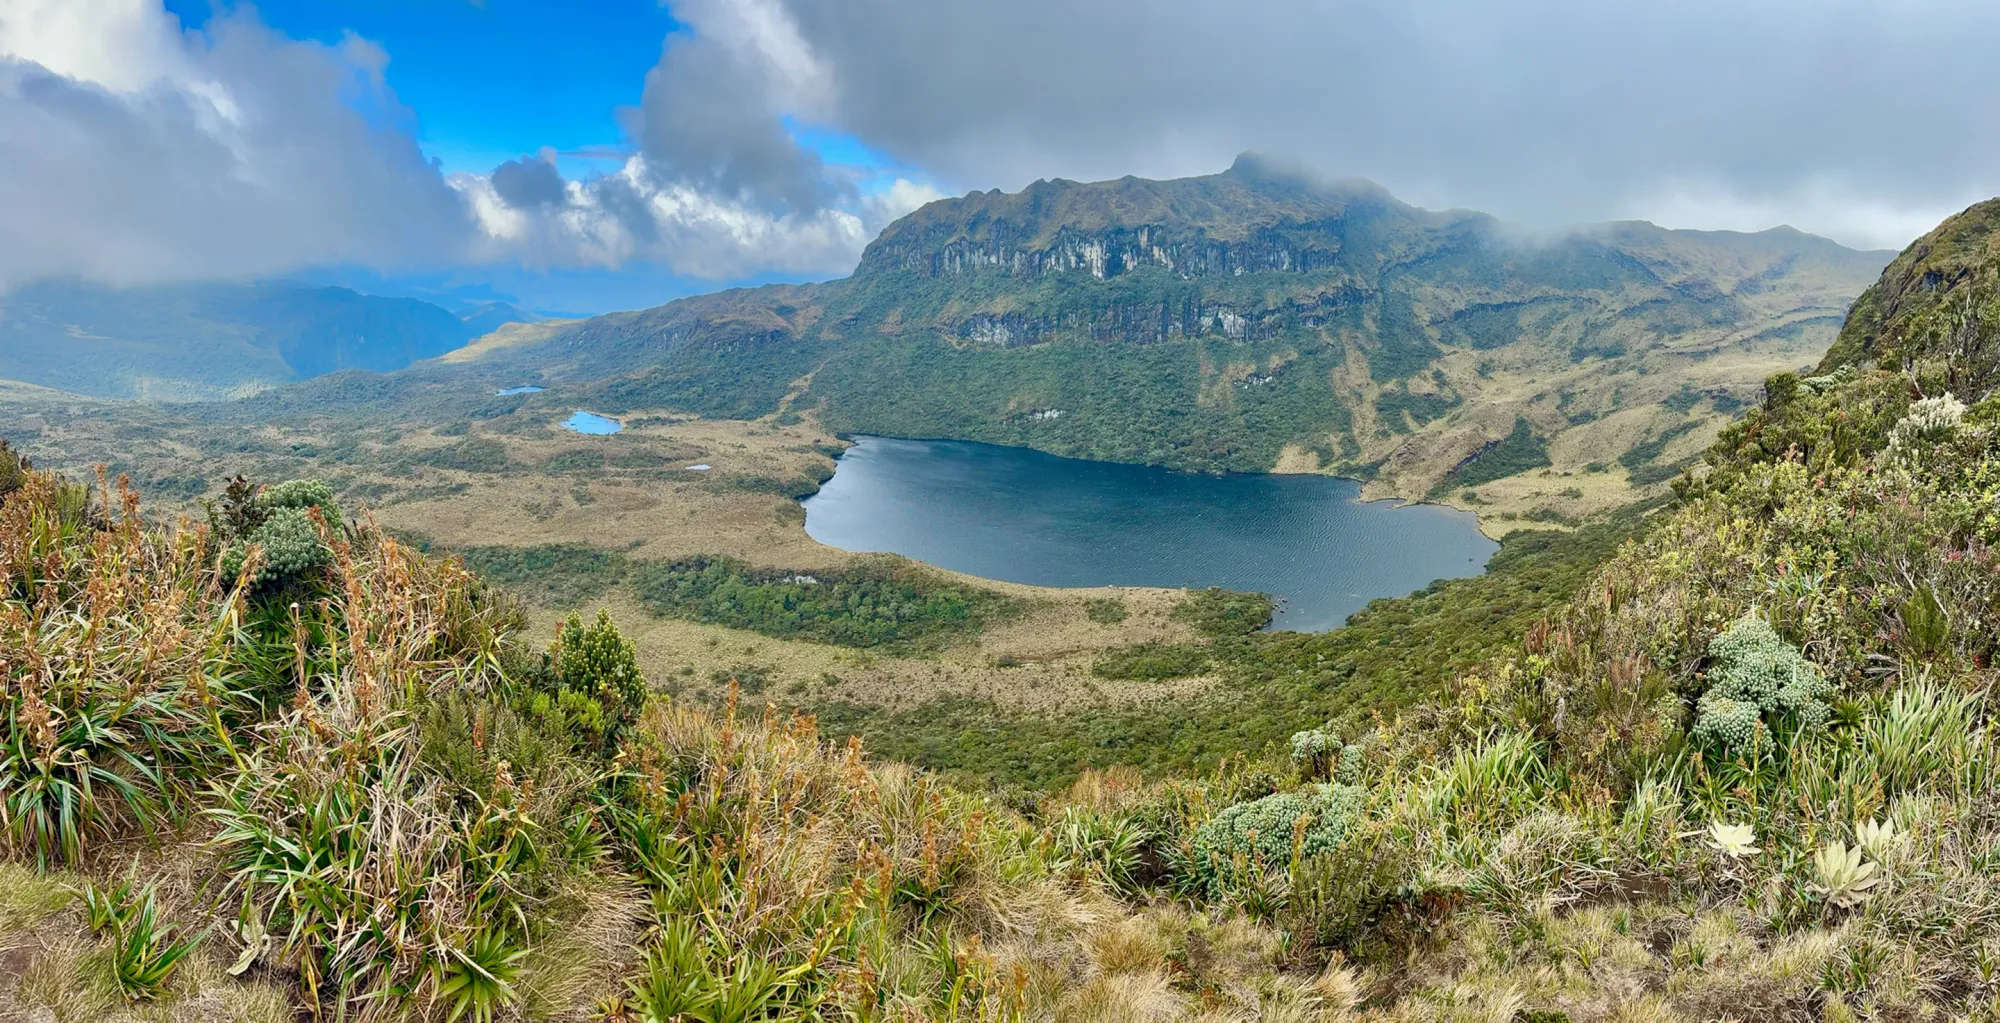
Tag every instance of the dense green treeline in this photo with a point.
(1123, 403)
(890, 605)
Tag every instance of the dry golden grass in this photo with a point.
(508, 335)
(658, 509)
(1048, 651)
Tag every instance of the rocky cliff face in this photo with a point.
(1113, 252)
(1250, 219)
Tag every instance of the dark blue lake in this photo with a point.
(1028, 517)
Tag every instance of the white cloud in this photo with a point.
(122, 45)
(133, 151)
(1547, 112)
(633, 216)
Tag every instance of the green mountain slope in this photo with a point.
(207, 341)
(1935, 306)
(1255, 320)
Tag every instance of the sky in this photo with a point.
(617, 153)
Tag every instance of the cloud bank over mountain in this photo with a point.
(132, 149)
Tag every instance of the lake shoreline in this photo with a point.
(1021, 515)
(1494, 527)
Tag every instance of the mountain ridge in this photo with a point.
(1252, 319)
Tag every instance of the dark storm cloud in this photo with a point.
(1847, 116)
(528, 182)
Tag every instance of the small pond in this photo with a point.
(592, 423)
(523, 389)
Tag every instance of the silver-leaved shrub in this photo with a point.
(1757, 678)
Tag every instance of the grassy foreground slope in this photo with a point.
(267, 766)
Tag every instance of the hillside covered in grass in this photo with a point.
(276, 764)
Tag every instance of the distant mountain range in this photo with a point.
(189, 342)
(1255, 319)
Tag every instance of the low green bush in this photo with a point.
(1272, 833)
(561, 575)
(1152, 662)
(279, 521)
(1105, 610)
(1758, 679)
(870, 605)
(1218, 612)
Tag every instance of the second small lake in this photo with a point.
(1024, 516)
(591, 422)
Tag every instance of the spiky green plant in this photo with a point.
(147, 952)
(476, 978)
(1085, 844)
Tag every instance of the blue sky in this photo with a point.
(496, 80)
(492, 81)
(500, 79)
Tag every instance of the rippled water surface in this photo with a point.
(1024, 516)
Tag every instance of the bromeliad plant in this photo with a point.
(146, 951)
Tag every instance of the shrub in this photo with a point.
(1272, 833)
(1311, 750)
(560, 576)
(1218, 612)
(1349, 771)
(1151, 662)
(876, 604)
(597, 659)
(1105, 610)
(14, 468)
(278, 520)
(1929, 422)
(476, 454)
(589, 685)
(1758, 678)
